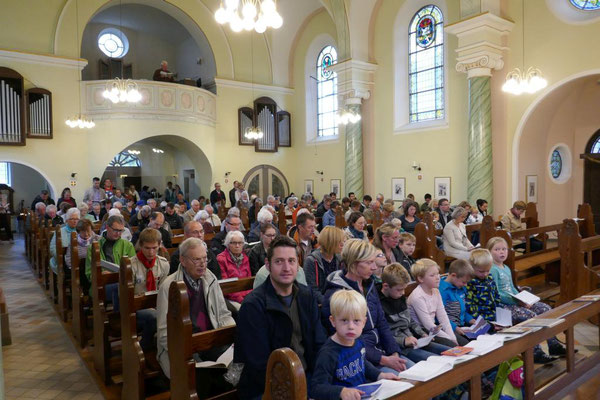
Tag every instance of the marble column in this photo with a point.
(480, 166)
(354, 155)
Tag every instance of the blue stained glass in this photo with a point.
(327, 101)
(426, 62)
(587, 5)
(556, 164)
(125, 159)
(596, 146)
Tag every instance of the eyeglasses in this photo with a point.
(198, 261)
(237, 243)
(270, 236)
(117, 230)
(380, 255)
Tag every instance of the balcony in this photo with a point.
(160, 101)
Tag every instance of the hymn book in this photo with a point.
(426, 370)
(383, 389)
(526, 297)
(222, 362)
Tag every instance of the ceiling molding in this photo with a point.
(228, 83)
(43, 59)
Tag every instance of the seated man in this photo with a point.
(194, 229)
(232, 223)
(51, 214)
(157, 219)
(511, 221)
(163, 73)
(207, 310)
(278, 313)
(174, 220)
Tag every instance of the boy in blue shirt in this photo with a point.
(454, 293)
(341, 364)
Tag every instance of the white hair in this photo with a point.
(201, 215)
(194, 202)
(290, 200)
(270, 198)
(114, 211)
(51, 207)
(206, 207)
(151, 200)
(233, 211)
(39, 205)
(302, 211)
(268, 208)
(117, 204)
(231, 235)
(83, 208)
(264, 216)
(71, 212)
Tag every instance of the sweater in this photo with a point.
(483, 298)
(503, 279)
(426, 308)
(455, 304)
(397, 315)
(340, 366)
(316, 273)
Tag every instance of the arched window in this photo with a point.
(556, 164)
(586, 4)
(426, 65)
(113, 43)
(327, 101)
(595, 147)
(125, 159)
(5, 174)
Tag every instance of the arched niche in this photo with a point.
(194, 16)
(564, 117)
(28, 180)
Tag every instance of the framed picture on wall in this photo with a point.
(531, 188)
(308, 186)
(335, 186)
(398, 189)
(442, 188)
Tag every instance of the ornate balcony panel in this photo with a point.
(160, 100)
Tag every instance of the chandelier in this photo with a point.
(346, 116)
(79, 121)
(249, 15)
(253, 133)
(122, 91)
(518, 82)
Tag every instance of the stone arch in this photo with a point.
(194, 16)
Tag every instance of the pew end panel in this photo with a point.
(285, 377)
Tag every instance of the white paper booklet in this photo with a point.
(422, 342)
(109, 266)
(503, 317)
(425, 370)
(484, 344)
(479, 323)
(526, 297)
(222, 362)
(388, 389)
(451, 359)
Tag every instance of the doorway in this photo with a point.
(264, 180)
(591, 177)
(190, 188)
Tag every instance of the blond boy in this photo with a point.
(454, 293)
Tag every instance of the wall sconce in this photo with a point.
(415, 166)
(319, 172)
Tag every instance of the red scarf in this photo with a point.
(150, 281)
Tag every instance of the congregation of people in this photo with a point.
(334, 296)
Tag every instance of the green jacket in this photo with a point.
(121, 248)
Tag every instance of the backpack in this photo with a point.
(509, 381)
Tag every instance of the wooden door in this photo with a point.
(591, 191)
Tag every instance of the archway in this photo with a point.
(559, 123)
(26, 182)
(264, 180)
(156, 160)
(591, 176)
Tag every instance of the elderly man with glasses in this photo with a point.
(231, 223)
(194, 229)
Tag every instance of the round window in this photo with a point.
(559, 163)
(556, 164)
(113, 43)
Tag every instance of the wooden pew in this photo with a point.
(579, 262)
(177, 231)
(537, 385)
(285, 373)
(426, 246)
(244, 218)
(5, 332)
(340, 221)
(106, 322)
(222, 210)
(137, 365)
(177, 240)
(44, 257)
(79, 321)
(28, 234)
(281, 220)
(62, 283)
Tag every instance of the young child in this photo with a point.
(453, 292)
(395, 278)
(482, 293)
(425, 303)
(341, 364)
(520, 312)
(407, 245)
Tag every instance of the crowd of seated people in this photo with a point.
(298, 276)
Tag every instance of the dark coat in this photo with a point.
(174, 221)
(217, 243)
(257, 256)
(38, 199)
(376, 335)
(314, 271)
(232, 197)
(264, 325)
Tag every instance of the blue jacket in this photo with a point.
(453, 297)
(329, 218)
(264, 325)
(376, 335)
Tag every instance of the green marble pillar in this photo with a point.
(354, 156)
(480, 172)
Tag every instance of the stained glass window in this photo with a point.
(5, 173)
(327, 101)
(426, 65)
(586, 4)
(556, 164)
(596, 146)
(125, 159)
(113, 43)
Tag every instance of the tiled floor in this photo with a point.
(42, 362)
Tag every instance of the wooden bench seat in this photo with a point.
(78, 298)
(5, 333)
(537, 259)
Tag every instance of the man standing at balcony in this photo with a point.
(163, 73)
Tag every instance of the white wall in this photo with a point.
(27, 184)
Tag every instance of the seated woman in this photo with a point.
(85, 237)
(203, 218)
(258, 253)
(356, 228)
(456, 243)
(72, 218)
(234, 264)
(264, 217)
(65, 197)
(323, 261)
(482, 206)
(409, 219)
(387, 238)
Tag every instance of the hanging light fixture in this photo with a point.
(248, 15)
(122, 91)
(519, 81)
(79, 120)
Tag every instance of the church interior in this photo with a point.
(469, 102)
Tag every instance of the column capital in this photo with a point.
(480, 43)
(355, 80)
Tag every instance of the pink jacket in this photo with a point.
(230, 270)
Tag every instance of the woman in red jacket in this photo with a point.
(234, 263)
